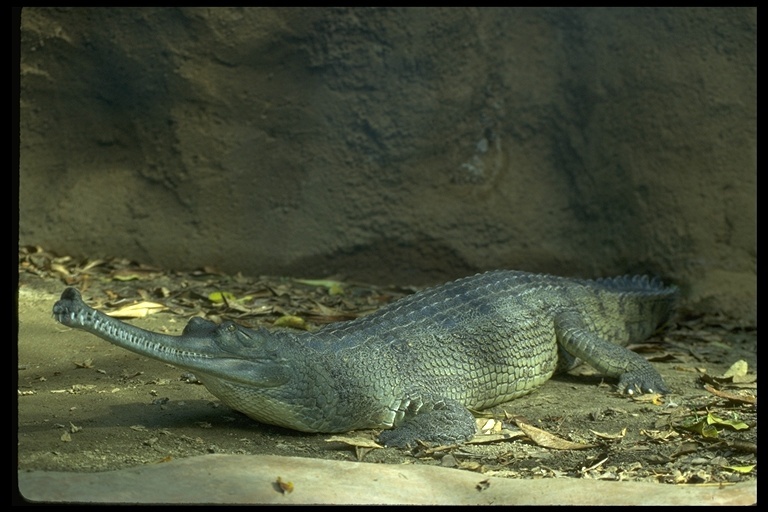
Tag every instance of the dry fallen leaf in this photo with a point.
(139, 310)
(488, 425)
(652, 398)
(483, 485)
(284, 487)
(737, 374)
(737, 369)
(87, 363)
(503, 435)
(605, 435)
(748, 399)
(60, 269)
(356, 441)
(362, 445)
(472, 465)
(547, 440)
(659, 435)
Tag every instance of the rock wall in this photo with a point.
(397, 145)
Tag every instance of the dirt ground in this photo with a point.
(85, 405)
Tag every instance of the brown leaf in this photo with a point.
(284, 487)
(653, 398)
(605, 435)
(749, 399)
(93, 263)
(547, 440)
(60, 269)
(503, 435)
(357, 441)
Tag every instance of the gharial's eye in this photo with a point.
(231, 327)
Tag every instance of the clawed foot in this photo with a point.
(639, 382)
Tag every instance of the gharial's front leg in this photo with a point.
(438, 421)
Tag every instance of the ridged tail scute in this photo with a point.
(644, 303)
(639, 284)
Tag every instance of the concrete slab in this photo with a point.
(250, 479)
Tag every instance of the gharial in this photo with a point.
(415, 366)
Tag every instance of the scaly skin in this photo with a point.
(415, 366)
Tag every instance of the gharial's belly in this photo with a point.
(499, 385)
(258, 405)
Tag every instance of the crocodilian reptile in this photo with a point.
(415, 366)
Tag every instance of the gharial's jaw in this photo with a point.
(196, 349)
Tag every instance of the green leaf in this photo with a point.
(706, 425)
(219, 297)
(734, 424)
(295, 322)
(701, 426)
(334, 287)
(741, 469)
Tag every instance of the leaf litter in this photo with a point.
(706, 435)
(307, 303)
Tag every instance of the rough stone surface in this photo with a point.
(253, 479)
(397, 145)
